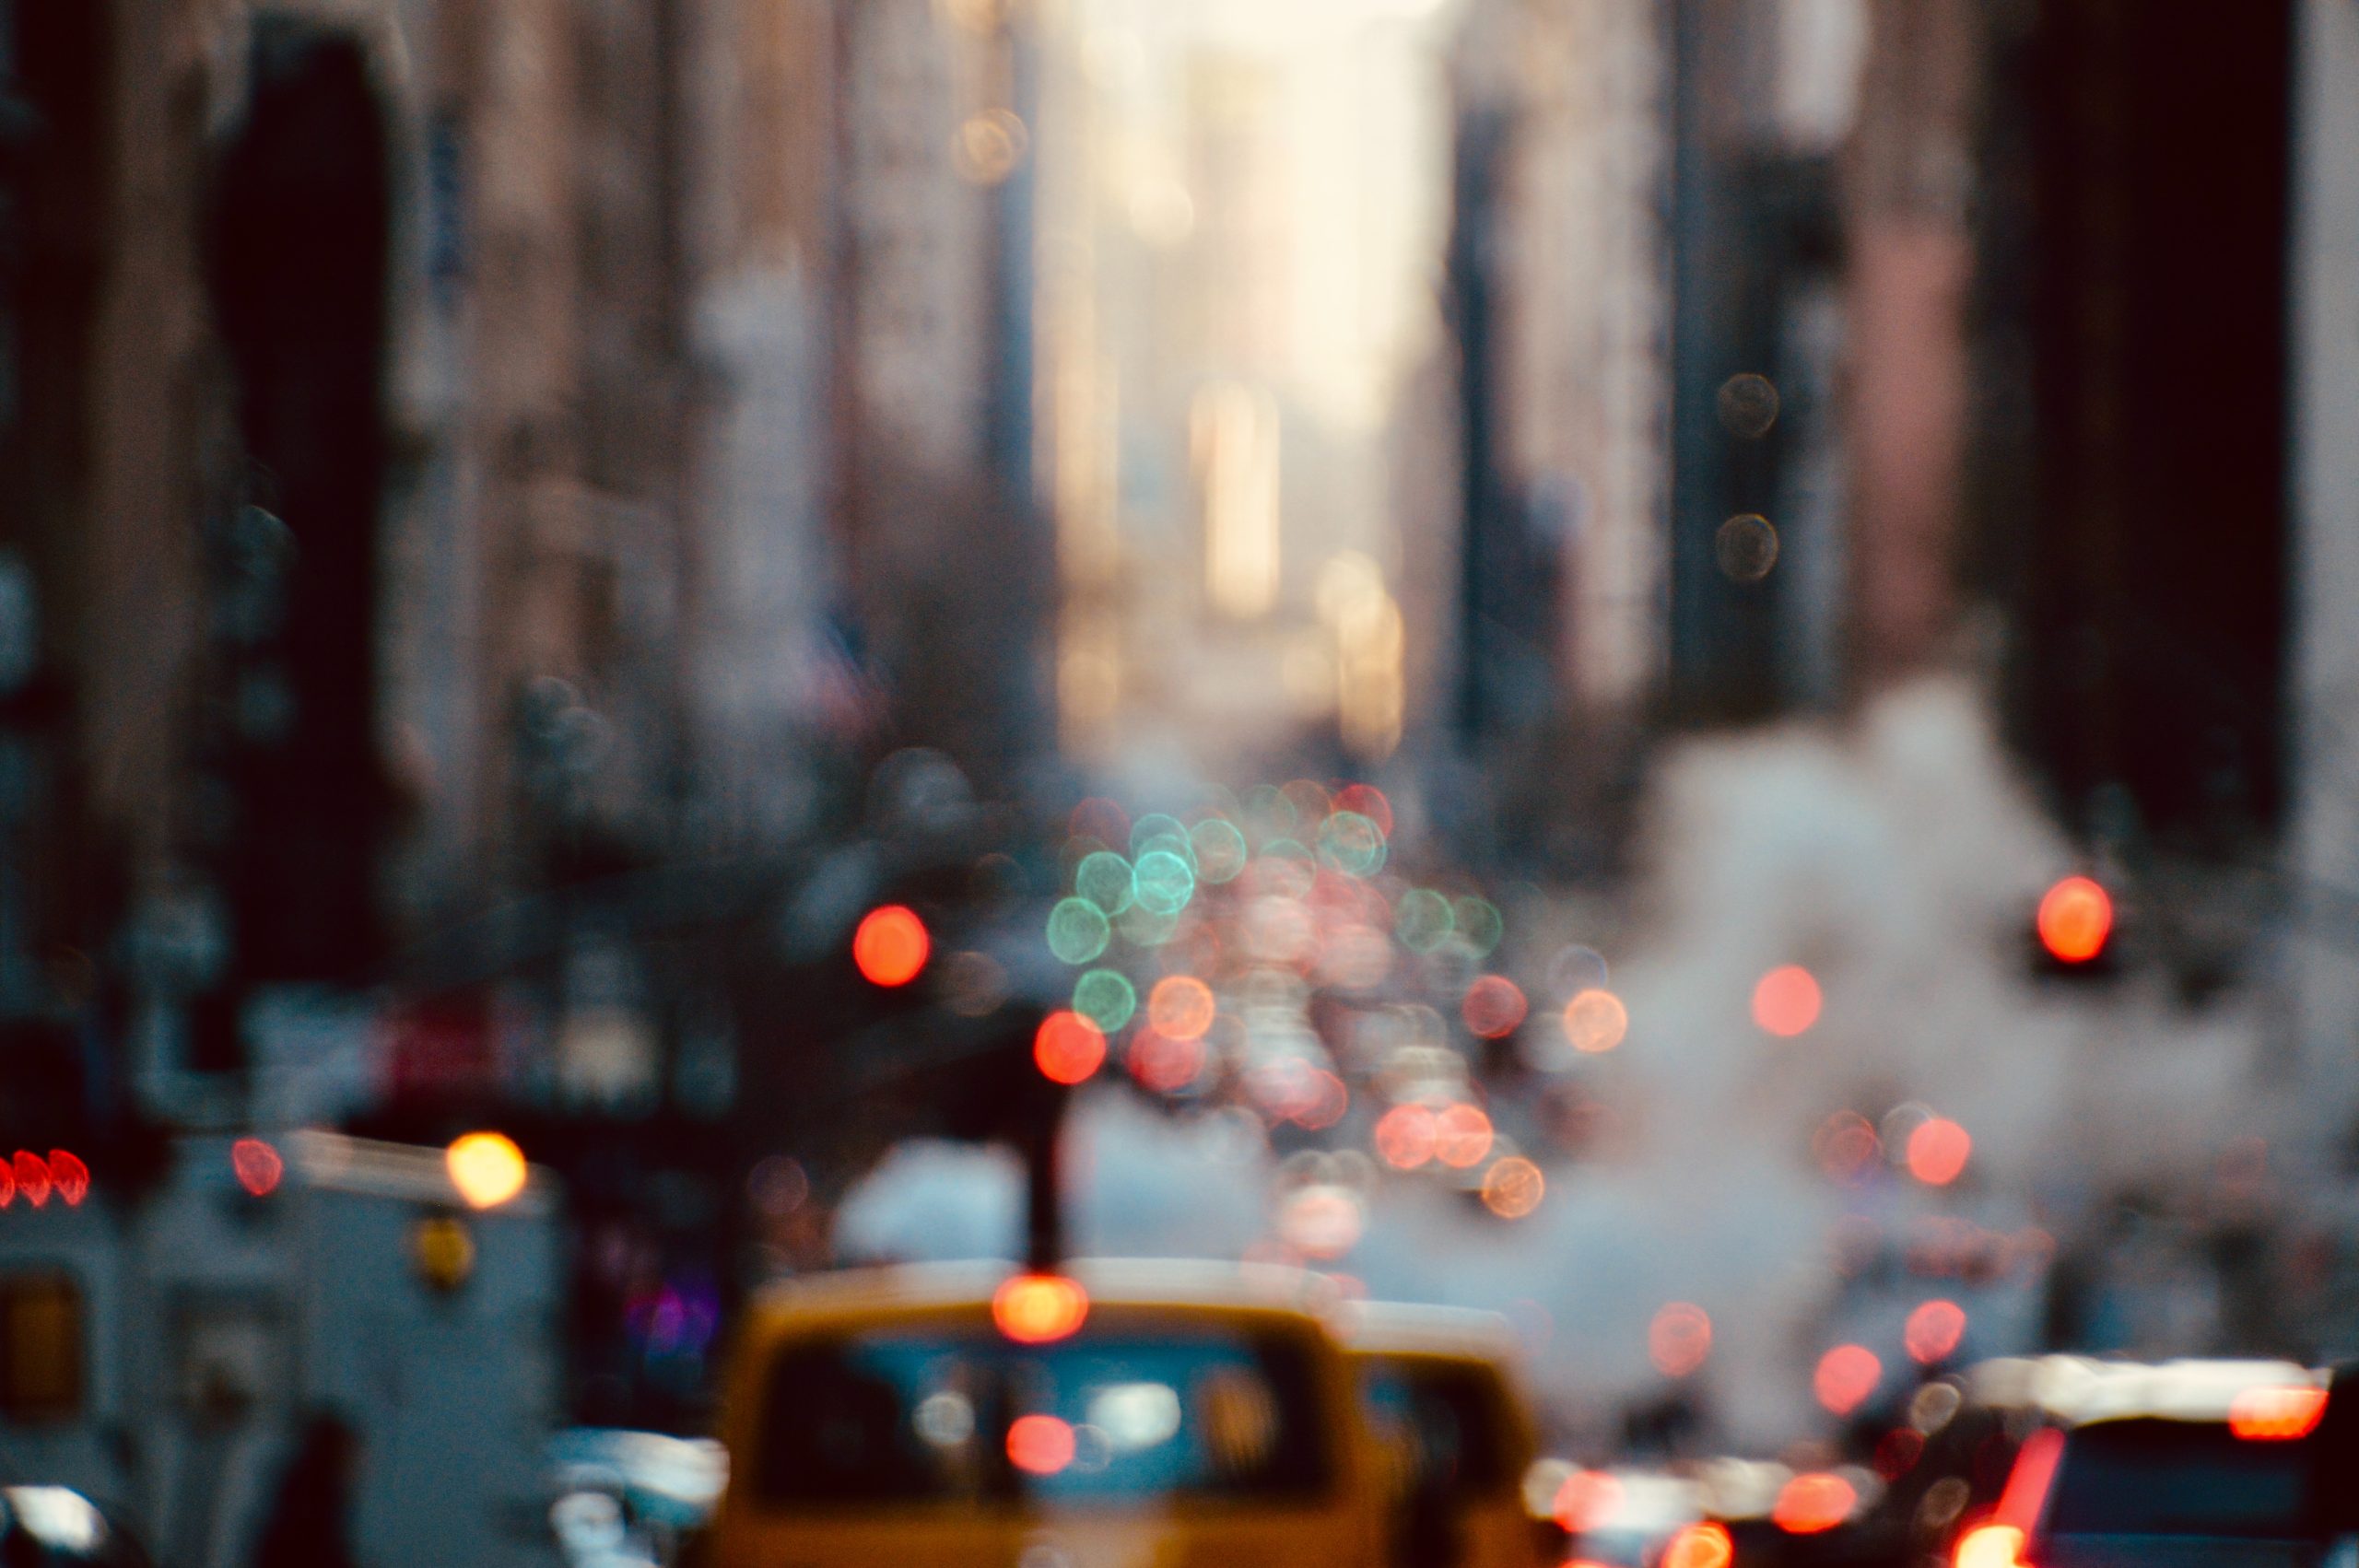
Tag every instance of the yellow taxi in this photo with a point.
(1449, 1415)
(1148, 1414)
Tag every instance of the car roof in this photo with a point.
(924, 1288)
(1395, 1327)
(2081, 1390)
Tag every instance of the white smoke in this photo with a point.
(1899, 860)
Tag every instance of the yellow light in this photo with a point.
(1991, 1546)
(1037, 1309)
(487, 1167)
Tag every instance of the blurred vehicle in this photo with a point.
(628, 1497)
(2071, 1462)
(1170, 1412)
(54, 1525)
(1455, 1426)
(1612, 1518)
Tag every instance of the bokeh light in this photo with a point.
(1220, 849)
(1493, 1007)
(1786, 1000)
(487, 1167)
(1105, 879)
(1405, 1136)
(1068, 1048)
(1478, 921)
(1585, 1501)
(256, 1166)
(1748, 405)
(31, 1174)
(1078, 931)
(1037, 1309)
(69, 1175)
(1421, 920)
(1596, 1021)
(1101, 819)
(2075, 917)
(1180, 1006)
(1164, 1063)
(1039, 1444)
(1461, 1135)
(1938, 1151)
(1933, 1331)
(1680, 1339)
(1106, 998)
(890, 945)
(2276, 1414)
(1367, 801)
(1164, 881)
(1814, 1502)
(1745, 548)
(1513, 1187)
(1352, 843)
(1704, 1544)
(1846, 1375)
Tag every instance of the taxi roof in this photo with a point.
(1398, 1327)
(1159, 1282)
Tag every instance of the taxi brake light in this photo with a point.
(2276, 1415)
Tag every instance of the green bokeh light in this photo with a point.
(1479, 922)
(1077, 931)
(1220, 850)
(1351, 843)
(1106, 998)
(1421, 920)
(1143, 927)
(1166, 882)
(1105, 880)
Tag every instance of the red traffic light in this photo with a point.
(2075, 919)
(891, 945)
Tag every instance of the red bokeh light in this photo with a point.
(257, 1165)
(1461, 1135)
(1845, 1376)
(1180, 1006)
(1933, 1331)
(891, 945)
(1938, 1151)
(69, 1175)
(1897, 1452)
(1369, 801)
(1068, 1048)
(1814, 1502)
(1786, 1000)
(32, 1176)
(2075, 919)
(1037, 1309)
(1164, 1064)
(1679, 1338)
(1704, 1544)
(1494, 1006)
(1586, 1500)
(1405, 1136)
(1040, 1445)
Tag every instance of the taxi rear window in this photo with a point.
(2179, 1478)
(1451, 1419)
(903, 1416)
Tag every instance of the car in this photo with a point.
(1107, 1412)
(1448, 1411)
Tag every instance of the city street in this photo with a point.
(1100, 783)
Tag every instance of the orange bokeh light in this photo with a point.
(1938, 1152)
(1786, 1000)
(1493, 1007)
(1596, 1021)
(2075, 917)
(890, 946)
(1587, 1500)
(487, 1167)
(1040, 1445)
(1845, 1376)
(1989, 1546)
(1038, 1309)
(1513, 1187)
(1405, 1136)
(1679, 1338)
(1068, 1048)
(2276, 1414)
(1180, 1006)
(1461, 1135)
(1704, 1544)
(1933, 1331)
(1815, 1501)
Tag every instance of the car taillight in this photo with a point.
(1989, 1546)
(2276, 1415)
(1700, 1545)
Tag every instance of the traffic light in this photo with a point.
(2074, 926)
